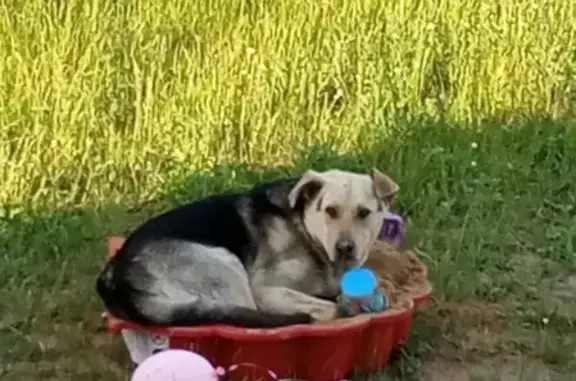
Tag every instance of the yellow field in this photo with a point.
(99, 97)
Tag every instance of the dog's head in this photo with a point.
(343, 211)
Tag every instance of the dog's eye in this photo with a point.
(363, 213)
(332, 212)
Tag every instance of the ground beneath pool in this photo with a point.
(482, 341)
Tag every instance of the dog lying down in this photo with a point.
(269, 257)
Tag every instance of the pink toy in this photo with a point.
(175, 365)
(182, 365)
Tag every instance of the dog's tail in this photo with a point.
(235, 315)
(114, 296)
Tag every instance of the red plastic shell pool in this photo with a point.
(318, 352)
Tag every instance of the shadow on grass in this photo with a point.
(474, 200)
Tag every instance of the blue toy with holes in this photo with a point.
(360, 292)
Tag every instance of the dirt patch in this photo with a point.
(475, 343)
(472, 312)
(511, 368)
(467, 329)
(563, 295)
(467, 313)
(565, 288)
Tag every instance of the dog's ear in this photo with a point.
(384, 187)
(306, 188)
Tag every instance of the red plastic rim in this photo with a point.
(357, 323)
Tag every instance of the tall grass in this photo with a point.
(101, 97)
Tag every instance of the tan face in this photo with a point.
(344, 210)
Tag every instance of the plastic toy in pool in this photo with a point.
(315, 352)
(393, 229)
(360, 293)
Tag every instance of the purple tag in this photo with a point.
(392, 229)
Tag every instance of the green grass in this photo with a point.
(113, 111)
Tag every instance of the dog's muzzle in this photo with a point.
(345, 247)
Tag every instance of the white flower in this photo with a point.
(545, 321)
(53, 143)
(339, 94)
(473, 163)
(474, 145)
(250, 51)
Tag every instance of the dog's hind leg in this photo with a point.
(284, 300)
(191, 284)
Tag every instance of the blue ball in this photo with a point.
(358, 282)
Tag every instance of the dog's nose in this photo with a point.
(345, 246)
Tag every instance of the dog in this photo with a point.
(268, 257)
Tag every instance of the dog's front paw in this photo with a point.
(325, 313)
